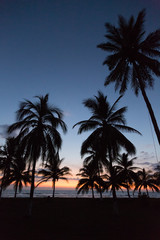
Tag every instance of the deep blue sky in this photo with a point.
(49, 46)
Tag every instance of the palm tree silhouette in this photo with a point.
(114, 180)
(126, 170)
(132, 58)
(95, 157)
(37, 124)
(147, 181)
(107, 124)
(7, 156)
(53, 171)
(18, 176)
(90, 179)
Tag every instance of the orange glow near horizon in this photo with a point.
(60, 184)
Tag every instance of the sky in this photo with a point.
(50, 46)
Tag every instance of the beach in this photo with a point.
(71, 218)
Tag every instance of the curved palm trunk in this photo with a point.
(53, 185)
(155, 125)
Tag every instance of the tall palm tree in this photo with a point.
(133, 58)
(127, 170)
(107, 124)
(146, 181)
(7, 157)
(53, 171)
(37, 124)
(90, 179)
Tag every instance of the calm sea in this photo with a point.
(68, 193)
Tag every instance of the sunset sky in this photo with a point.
(49, 46)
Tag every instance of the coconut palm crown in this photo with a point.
(127, 170)
(7, 158)
(107, 124)
(146, 181)
(53, 171)
(90, 179)
(133, 58)
(114, 180)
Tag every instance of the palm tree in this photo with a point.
(90, 179)
(7, 156)
(132, 58)
(146, 181)
(107, 124)
(126, 170)
(53, 171)
(37, 124)
(18, 176)
(95, 157)
(114, 180)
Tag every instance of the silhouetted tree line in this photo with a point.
(132, 58)
(105, 168)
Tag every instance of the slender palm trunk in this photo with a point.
(2, 182)
(15, 193)
(1, 189)
(100, 190)
(92, 192)
(110, 157)
(29, 212)
(147, 192)
(32, 180)
(53, 185)
(155, 125)
(114, 193)
(128, 191)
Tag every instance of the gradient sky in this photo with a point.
(49, 46)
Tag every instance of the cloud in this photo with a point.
(146, 160)
(147, 165)
(146, 155)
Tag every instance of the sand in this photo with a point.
(63, 219)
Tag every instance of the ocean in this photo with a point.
(68, 193)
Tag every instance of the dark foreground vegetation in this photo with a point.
(80, 219)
